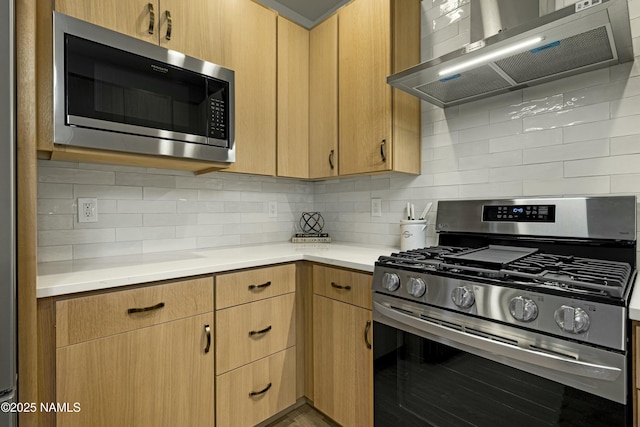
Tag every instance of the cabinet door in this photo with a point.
(244, 37)
(323, 99)
(187, 23)
(293, 100)
(136, 18)
(364, 97)
(157, 376)
(343, 362)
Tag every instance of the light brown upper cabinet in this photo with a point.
(379, 127)
(323, 99)
(181, 25)
(293, 100)
(244, 34)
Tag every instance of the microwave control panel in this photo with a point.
(218, 116)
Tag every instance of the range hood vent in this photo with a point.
(569, 41)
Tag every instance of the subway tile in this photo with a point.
(56, 164)
(145, 180)
(199, 183)
(471, 119)
(629, 144)
(620, 126)
(107, 191)
(524, 172)
(625, 183)
(110, 220)
(626, 107)
(579, 81)
(461, 177)
(192, 206)
(74, 237)
(529, 108)
(108, 167)
(198, 230)
(634, 9)
(240, 207)
(494, 130)
(164, 219)
(435, 193)
(607, 92)
(567, 186)
(462, 149)
(492, 103)
(55, 253)
(146, 206)
(567, 117)
(573, 151)
(450, 45)
(75, 176)
(55, 222)
(217, 218)
(96, 250)
(614, 165)
(55, 191)
(442, 165)
(56, 206)
(494, 189)
(507, 158)
(163, 245)
(542, 138)
(242, 185)
(152, 193)
(441, 140)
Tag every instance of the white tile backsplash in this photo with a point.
(575, 136)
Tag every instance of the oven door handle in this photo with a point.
(532, 357)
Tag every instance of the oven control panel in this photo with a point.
(519, 213)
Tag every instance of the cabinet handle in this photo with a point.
(152, 18)
(366, 334)
(335, 285)
(257, 393)
(207, 332)
(383, 152)
(259, 287)
(260, 332)
(331, 154)
(144, 309)
(168, 34)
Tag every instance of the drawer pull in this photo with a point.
(257, 393)
(207, 332)
(142, 310)
(260, 287)
(260, 332)
(335, 285)
(366, 334)
(169, 25)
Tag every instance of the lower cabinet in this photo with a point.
(342, 354)
(156, 376)
(141, 357)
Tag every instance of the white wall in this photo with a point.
(576, 136)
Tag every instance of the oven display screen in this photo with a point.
(519, 213)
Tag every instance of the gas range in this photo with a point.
(536, 277)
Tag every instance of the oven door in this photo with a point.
(432, 371)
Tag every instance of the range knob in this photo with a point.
(523, 309)
(463, 297)
(390, 282)
(416, 287)
(572, 319)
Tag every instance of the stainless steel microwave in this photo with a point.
(115, 92)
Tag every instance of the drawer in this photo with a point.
(251, 394)
(252, 331)
(86, 318)
(348, 286)
(253, 285)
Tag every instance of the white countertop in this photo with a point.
(634, 303)
(67, 277)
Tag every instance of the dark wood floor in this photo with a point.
(304, 416)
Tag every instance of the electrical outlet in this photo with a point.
(87, 209)
(273, 209)
(376, 207)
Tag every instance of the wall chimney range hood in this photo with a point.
(512, 50)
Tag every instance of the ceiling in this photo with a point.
(307, 13)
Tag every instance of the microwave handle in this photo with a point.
(152, 18)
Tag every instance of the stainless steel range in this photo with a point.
(519, 315)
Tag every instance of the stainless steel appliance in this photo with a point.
(521, 44)
(115, 92)
(517, 317)
(7, 219)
